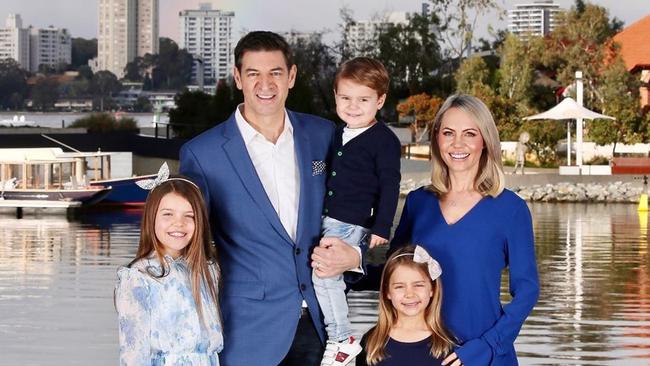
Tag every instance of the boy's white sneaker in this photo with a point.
(340, 353)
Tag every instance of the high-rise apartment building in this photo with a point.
(360, 35)
(127, 28)
(533, 19)
(207, 35)
(49, 46)
(32, 47)
(14, 41)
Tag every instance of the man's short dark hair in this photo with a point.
(262, 41)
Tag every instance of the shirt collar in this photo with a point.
(247, 131)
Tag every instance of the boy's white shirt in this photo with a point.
(350, 133)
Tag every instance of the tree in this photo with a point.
(173, 69)
(458, 19)
(472, 77)
(85, 72)
(45, 93)
(423, 108)
(142, 104)
(194, 113)
(580, 43)
(82, 51)
(225, 100)
(13, 80)
(410, 52)
(104, 85)
(618, 96)
(313, 89)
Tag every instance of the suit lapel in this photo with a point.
(303, 157)
(241, 162)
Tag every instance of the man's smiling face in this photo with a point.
(265, 80)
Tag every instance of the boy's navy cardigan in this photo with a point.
(363, 181)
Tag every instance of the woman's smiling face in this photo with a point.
(460, 141)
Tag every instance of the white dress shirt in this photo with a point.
(277, 168)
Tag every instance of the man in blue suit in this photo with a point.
(262, 173)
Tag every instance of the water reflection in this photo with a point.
(57, 275)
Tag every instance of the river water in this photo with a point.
(66, 118)
(57, 276)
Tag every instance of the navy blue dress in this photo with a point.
(495, 234)
(401, 353)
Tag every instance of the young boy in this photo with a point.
(362, 189)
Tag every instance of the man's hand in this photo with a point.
(377, 240)
(332, 257)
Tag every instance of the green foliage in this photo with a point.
(45, 93)
(544, 137)
(472, 78)
(316, 66)
(458, 20)
(82, 51)
(618, 96)
(13, 81)
(171, 68)
(196, 111)
(104, 122)
(103, 85)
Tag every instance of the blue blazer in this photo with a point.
(265, 275)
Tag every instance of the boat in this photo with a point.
(30, 180)
(96, 170)
(17, 122)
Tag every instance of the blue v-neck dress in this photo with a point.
(496, 233)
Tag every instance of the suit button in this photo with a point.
(339, 153)
(330, 193)
(303, 286)
(298, 251)
(326, 210)
(333, 174)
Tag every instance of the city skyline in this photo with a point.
(80, 16)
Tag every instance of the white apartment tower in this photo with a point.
(127, 28)
(361, 34)
(49, 46)
(14, 41)
(32, 47)
(533, 19)
(207, 35)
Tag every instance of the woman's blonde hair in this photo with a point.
(441, 339)
(490, 179)
(200, 254)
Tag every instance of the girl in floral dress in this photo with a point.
(166, 298)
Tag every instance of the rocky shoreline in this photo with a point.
(561, 192)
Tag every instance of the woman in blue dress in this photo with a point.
(166, 297)
(475, 228)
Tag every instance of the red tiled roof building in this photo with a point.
(635, 50)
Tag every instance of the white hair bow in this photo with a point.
(149, 184)
(421, 256)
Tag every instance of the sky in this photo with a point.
(80, 16)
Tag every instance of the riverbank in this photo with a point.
(544, 185)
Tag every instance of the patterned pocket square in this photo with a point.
(317, 167)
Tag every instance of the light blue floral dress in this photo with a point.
(158, 321)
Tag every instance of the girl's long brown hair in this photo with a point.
(200, 254)
(442, 340)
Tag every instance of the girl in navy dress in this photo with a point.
(476, 229)
(409, 330)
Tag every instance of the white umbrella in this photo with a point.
(568, 109)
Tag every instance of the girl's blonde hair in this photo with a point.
(490, 179)
(442, 340)
(200, 254)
